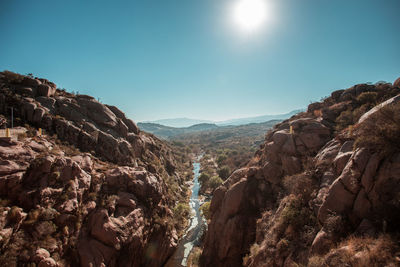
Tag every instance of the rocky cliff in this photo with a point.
(92, 191)
(321, 191)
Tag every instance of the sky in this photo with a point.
(158, 59)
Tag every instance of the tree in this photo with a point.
(214, 182)
(224, 172)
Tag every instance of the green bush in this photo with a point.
(205, 209)
(214, 182)
(296, 213)
(181, 214)
(204, 178)
(224, 172)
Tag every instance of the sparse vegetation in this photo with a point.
(381, 133)
(205, 209)
(360, 252)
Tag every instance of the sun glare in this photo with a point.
(250, 15)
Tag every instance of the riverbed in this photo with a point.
(196, 228)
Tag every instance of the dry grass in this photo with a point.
(360, 252)
(381, 132)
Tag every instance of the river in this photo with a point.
(196, 228)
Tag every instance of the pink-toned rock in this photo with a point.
(272, 152)
(322, 243)
(5, 235)
(338, 200)
(280, 137)
(233, 198)
(10, 167)
(45, 90)
(105, 230)
(44, 228)
(367, 178)
(136, 180)
(24, 90)
(38, 115)
(94, 253)
(48, 262)
(127, 200)
(272, 172)
(291, 165)
(40, 255)
(341, 160)
(31, 82)
(368, 115)
(328, 152)
(397, 83)
(289, 146)
(347, 147)
(84, 161)
(362, 206)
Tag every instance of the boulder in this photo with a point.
(338, 200)
(28, 110)
(24, 90)
(48, 262)
(291, 165)
(40, 254)
(233, 198)
(272, 172)
(38, 115)
(45, 90)
(390, 101)
(31, 82)
(322, 243)
(397, 83)
(47, 102)
(280, 137)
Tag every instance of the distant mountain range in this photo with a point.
(165, 132)
(210, 129)
(187, 122)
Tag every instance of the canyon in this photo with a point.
(92, 189)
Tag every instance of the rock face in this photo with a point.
(77, 119)
(63, 207)
(307, 187)
(238, 203)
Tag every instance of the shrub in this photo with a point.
(214, 182)
(181, 214)
(12, 77)
(368, 98)
(296, 213)
(224, 172)
(205, 209)
(381, 132)
(359, 252)
(344, 119)
(194, 257)
(221, 159)
(204, 178)
(299, 184)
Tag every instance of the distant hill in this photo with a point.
(166, 132)
(259, 119)
(179, 122)
(186, 122)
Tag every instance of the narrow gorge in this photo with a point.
(82, 185)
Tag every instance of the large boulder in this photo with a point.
(45, 90)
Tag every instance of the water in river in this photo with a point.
(196, 227)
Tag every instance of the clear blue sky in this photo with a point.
(185, 58)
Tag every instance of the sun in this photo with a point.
(250, 15)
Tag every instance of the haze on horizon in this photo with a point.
(210, 60)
